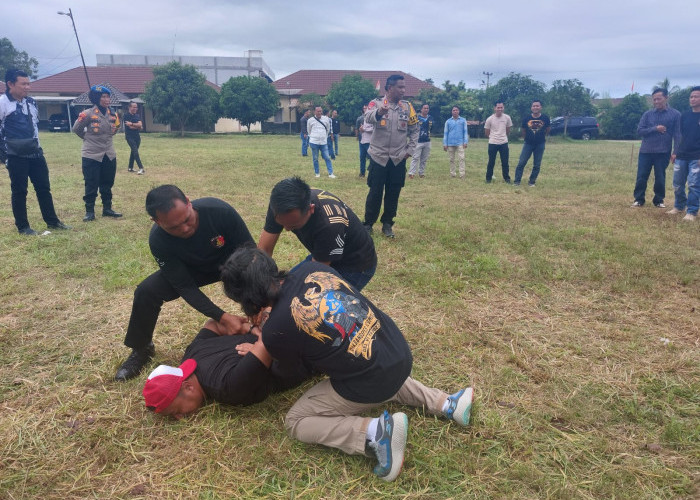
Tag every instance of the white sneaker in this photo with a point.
(674, 211)
(318, 175)
(690, 217)
(636, 204)
(140, 172)
(331, 176)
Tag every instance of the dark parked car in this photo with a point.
(579, 127)
(59, 123)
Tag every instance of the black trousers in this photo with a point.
(98, 175)
(149, 297)
(384, 181)
(502, 149)
(21, 170)
(134, 142)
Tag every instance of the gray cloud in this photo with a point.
(605, 44)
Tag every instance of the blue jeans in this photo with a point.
(335, 141)
(324, 154)
(363, 157)
(529, 149)
(358, 279)
(304, 144)
(687, 170)
(329, 143)
(659, 161)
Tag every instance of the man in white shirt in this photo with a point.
(497, 128)
(318, 128)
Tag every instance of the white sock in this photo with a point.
(446, 405)
(372, 429)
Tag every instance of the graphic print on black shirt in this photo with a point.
(320, 319)
(535, 128)
(332, 234)
(326, 304)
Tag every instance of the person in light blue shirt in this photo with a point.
(455, 139)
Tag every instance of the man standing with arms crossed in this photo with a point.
(687, 164)
(132, 133)
(393, 141)
(422, 151)
(658, 127)
(21, 153)
(497, 128)
(455, 139)
(535, 130)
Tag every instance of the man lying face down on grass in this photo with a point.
(229, 369)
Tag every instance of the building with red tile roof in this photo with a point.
(319, 81)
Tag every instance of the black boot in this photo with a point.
(135, 362)
(108, 212)
(387, 231)
(89, 212)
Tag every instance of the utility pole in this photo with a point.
(487, 75)
(70, 14)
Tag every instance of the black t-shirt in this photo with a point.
(228, 377)
(689, 148)
(424, 130)
(322, 320)
(336, 125)
(333, 233)
(535, 128)
(182, 261)
(128, 117)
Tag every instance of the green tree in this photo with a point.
(349, 95)
(621, 121)
(569, 98)
(13, 58)
(177, 95)
(249, 100)
(310, 101)
(441, 102)
(206, 119)
(666, 85)
(680, 100)
(517, 93)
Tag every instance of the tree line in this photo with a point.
(563, 98)
(180, 96)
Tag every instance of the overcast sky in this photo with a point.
(607, 44)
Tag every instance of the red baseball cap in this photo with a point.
(164, 384)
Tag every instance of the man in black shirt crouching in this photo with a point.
(325, 225)
(228, 369)
(190, 241)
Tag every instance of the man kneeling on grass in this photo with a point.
(318, 318)
(229, 369)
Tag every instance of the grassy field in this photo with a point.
(575, 317)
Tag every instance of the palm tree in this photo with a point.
(666, 85)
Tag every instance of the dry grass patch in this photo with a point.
(554, 302)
